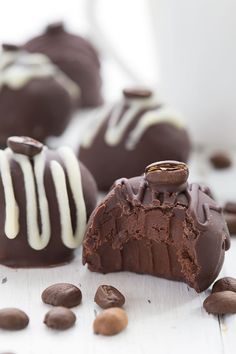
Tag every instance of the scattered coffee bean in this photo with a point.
(60, 318)
(224, 284)
(13, 319)
(107, 296)
(24, 145)
(110, 321)
(62, 294)
(220, 160)
(221, 303)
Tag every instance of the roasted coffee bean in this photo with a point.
(110, 321)
(60, 318)
(13, 319)
(224, 284)
(221, 303)
(220, 160)
(137, 93)
(107, 296)
(62, 294)
(24, 145)
(167, 173)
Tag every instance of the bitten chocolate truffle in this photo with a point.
(75, 56)
(36, 97)
(158, 224)
(136, 131)
(46, 197)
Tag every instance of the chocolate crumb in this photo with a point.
(149, 301)
(4, 280)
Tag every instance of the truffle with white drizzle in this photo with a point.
(75, 56)
(130, 135)
(36, 97)
(46, 197)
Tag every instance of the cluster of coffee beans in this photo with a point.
(222, 300)
(63, 296)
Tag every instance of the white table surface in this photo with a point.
(164, 316)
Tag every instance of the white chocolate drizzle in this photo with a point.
(120, 118)
(33, 174)
(18, 68)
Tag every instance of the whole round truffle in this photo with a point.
(75, 56)
(143, 226)
(136, 131)
(36, 98)
(46, 197)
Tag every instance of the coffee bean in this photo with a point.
(24, 145)
(220, 303)
(137, 93)
(60, 318)
(167, 173)
(220, 160)
(62, 294)
(224, 284)
(110, 321)
(10, 47)
(13, 319)
(107, 296)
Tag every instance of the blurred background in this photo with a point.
(185, 49)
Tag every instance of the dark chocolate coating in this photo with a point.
(75, 56)
(162, 141)
(17, 252)
(39, 109)
(179, 235)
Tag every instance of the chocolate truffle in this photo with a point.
(158, 224)
(46, 197)
(36, 98)
(138, 130)
(75, 56)
(230, 217)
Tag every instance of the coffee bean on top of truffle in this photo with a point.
(158, 224)
(62, 294)
(107, 296)
(132, 134)
(24, 145)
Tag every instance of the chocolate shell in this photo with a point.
(75, 56)
(158, 224)
(46, 197)
(123, 139)
(36, 98)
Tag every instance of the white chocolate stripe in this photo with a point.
(117, 125)
(74, 176)
(36, 240)
(11, 207)
(161, 115)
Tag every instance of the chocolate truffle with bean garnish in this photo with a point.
(36, 97)
(122, 140)
(158, 224)
(75, 56)
(46, 197)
